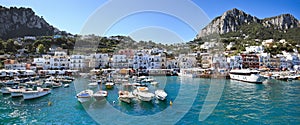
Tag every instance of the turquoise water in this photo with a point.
(276, 102)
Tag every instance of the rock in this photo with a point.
(20, 22)
(232, 19)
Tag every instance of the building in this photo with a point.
(98, 60)
(250, 61)
(77, 62)
(119, 62)
(185, 61)
(235, 62)
(60, 60)
(206, 60)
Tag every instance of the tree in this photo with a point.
(41, 48)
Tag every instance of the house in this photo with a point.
(119, 62)
(250, 61)
(235, 62)
(77, 62)
(98, 60)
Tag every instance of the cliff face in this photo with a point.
(232, 19)
(19, 22)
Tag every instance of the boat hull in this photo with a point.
(35, 94)
(251, 78)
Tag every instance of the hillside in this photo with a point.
(236, 23)
(20, 22)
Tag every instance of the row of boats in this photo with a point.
(35, 89)
(140, 90)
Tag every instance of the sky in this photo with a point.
(168, 22)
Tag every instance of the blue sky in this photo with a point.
(71, 15)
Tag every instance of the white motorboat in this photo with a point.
(154, 83)
(246, 75)
(99, 95)
(143, 94)
(17, 92)
(66, 85)
(5, 90)
(93, 84)
(160, 94)
(125, 96)
(36, 93)
(84, 95)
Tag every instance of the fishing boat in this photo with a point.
(143, 94)
(36, 93)
(109, 85)
(125, 96)
(160, 94)
(84, 95)
(246, 75)
(100, 95)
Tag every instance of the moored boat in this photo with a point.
(246, 75)
(125, 96)
(109, 85)
(143, 94)
(17, 91)
(160, 94)
(84, 95)
(100, 95)
(36, 93)
(5, 90)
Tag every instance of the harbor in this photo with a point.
(248, 103)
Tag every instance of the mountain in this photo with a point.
(19, 22)
(233, 20)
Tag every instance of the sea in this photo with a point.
(190, 101)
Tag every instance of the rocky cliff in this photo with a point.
(19, 22)
(231, 20)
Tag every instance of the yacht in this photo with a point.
(84, 95)
(246, 75)
(36, 93)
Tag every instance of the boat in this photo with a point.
(84, 95)
(246, 75)
(109, 85)
(143, 94)
(66, 85)
(154, 83)
(36, 92)
(160, 94)
(125, 96)
(5, 90)
(17, 91)
(100, 95)
(56, 84)
(93, 84)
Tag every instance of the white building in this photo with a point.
(185, 61)
(60, 60)
(140, 60)
(98, 60)
(254, 49)
(235, 62)
(77, 62)
(39, 62)
(46, 61)
(119, 61)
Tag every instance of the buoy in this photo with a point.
(49, 103)
(171, 103)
